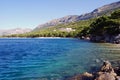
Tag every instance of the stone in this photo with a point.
(87, 74)
(106, 76)
(118, 78)
(117, 70)
(106, 67)
(106, 72)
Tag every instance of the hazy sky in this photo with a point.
(31, 13)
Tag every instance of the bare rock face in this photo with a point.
(63, 20)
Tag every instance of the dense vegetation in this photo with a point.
(97, 26)
(109, 25)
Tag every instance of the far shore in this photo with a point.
(85, 39)
(34, 37)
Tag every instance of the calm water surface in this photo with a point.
(51, 59)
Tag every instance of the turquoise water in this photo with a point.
(51, 59)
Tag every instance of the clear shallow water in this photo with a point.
(51, 59)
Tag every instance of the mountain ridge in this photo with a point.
(14, 31)
(73, 18)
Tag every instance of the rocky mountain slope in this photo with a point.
(106, 9)
(14, 31)
(66, 19)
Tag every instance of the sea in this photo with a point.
(52, 58)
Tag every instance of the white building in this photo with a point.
(67, 29)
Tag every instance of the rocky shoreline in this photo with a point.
(106, 72)
(106, 38)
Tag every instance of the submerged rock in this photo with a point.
(97, 60)
(85, 76)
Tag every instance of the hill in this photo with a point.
(14, 31)
(106, 9)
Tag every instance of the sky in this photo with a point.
(31, 13)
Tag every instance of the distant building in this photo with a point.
(67, 29)
(54, 30)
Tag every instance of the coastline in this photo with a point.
(38, 38)
(84, 39)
